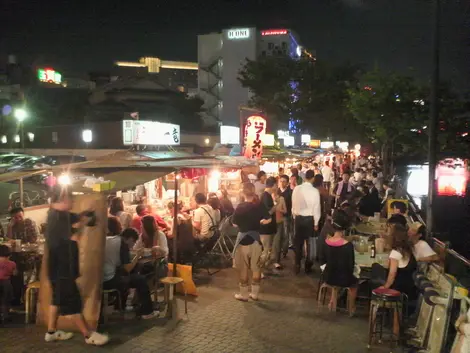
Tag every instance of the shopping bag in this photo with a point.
(186, 273)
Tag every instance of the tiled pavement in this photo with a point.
(285, 320)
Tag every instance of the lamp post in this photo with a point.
(20, 116)
(433, 118)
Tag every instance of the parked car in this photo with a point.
(6, 160)
(23, 163)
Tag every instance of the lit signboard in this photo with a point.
(139, 132)
(229, 135)
(327, 144)
(314, 143)
(274, 32)
(49, 76)
(282, 134)
(305, 138)
(343, 145)
(239, 33)
(289, 141)
(268, 140)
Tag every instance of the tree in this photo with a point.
(322, 92)
(389, 106)
(187, 112)
(270, 80)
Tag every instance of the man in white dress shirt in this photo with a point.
(306, 209)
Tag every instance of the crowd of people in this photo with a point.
(311, 210)
(308, 209)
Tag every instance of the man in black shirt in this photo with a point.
(267, 231)
(286, 193)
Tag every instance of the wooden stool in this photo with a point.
(385, 301)
(31, 292)
(105, 303)
(170, 299)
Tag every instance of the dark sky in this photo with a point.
(81, 36)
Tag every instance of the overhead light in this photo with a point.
(87, 136)
(17, 138)
(30, 136)
(4, 139)
(207, 141)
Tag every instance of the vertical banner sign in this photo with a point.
(255, 130)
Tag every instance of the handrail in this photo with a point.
(436, 241)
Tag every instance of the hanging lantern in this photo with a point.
(255, 130)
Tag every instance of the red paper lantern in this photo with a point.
(255, 130)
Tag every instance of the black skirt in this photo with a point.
(66, 296)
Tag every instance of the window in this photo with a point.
(55, 137)
(270, 46)
(284, 45)
(263, 53)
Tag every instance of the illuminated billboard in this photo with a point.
(274, 32)
(49, 76)
(140, 132)
(452, 177)
(239, 33)
(229, 135)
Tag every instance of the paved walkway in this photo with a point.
(285, 320)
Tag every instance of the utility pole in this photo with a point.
(433, 118)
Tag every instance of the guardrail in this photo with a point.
(454, 263)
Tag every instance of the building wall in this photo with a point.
(105, 135)
(210, 74)
(235, 52)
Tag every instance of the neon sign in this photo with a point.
(241, 33)
(49, 76)
(274, 32)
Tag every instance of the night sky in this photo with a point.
(79, 36)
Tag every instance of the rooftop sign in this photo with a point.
(274, 32)
(49, 76)
(238, 33)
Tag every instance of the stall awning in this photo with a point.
(126, 179)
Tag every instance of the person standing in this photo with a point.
(343, 190)
(328, 175)
(63, 270)
(286, 193)
(260, 183)
(306, 209)
(249, 216)
(278, 240)
(268, 231)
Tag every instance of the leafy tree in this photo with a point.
(389, 106)
(322, 91)
(187, 112)
(270, 80)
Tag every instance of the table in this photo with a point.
(371, 228)
(364, 260)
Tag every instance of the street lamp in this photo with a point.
(20, 116)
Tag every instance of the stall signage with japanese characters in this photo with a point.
(141, 132)
(255, 129)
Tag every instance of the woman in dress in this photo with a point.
(248, 217)
(338, 255)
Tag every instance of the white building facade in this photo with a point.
(221, 56)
